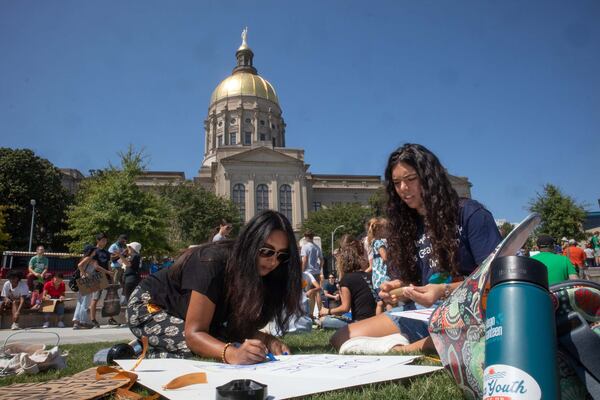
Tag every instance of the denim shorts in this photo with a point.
(412, 329)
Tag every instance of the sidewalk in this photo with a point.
(105, 333)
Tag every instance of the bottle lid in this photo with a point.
(517, 268)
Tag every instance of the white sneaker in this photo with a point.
(15, 326)
(373, 345)
(61, 324)
(46, 325)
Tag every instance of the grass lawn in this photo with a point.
(435, 386)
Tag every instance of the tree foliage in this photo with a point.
(378, 202)
(561, 215)
(195, 213)
(506, 228)
(4, 236)
(23, 177)
(110, 202)
(324, 221)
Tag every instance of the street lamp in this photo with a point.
(32, 220)
(332, 257)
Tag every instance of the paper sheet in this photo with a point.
(421, 315)
(291, 376)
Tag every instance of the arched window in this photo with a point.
(262, 197)
(285, 201)
(239, 199)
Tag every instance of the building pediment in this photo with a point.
(261, 155)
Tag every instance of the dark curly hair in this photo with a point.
(350, 256)
(441, 205)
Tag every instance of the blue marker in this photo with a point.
(271, 357)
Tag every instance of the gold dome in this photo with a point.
(244, 84)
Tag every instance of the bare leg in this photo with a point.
(377, 326)
(424, 345)
(14, 312)
(93, 309)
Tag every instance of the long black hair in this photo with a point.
(257, 299)
(440, 201)
(253, 300)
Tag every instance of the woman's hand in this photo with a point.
(425, 295)
(252, 351)
(384, 291)
(277, 347)
(324, 312)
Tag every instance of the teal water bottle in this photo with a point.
(520, 333)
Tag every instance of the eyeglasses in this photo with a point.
(265, 252)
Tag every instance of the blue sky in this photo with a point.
(506, 93)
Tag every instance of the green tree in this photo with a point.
(561, 215)
(324, 221)
(195, 212)
(23, 177)
(4, 236)
(378, 202)
(506, 228)
(112, 203)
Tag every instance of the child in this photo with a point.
(377, 236)
(36, 296)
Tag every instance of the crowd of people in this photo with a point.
(216, 297)
(45, 292)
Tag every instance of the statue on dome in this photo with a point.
(244, 34)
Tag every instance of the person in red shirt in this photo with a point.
(55, 290)
(577, 257)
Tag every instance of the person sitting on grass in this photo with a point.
(356, 289)
(217, 296)
(436, 239)
(55, 290)
(331, 291)
(13, 297)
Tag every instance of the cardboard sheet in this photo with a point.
(82, 386)
(291, 376)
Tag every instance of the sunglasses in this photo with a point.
(282, 256)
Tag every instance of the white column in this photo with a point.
(250, 197)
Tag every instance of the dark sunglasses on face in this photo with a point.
(265, 252)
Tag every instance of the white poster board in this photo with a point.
(291, 376)
(422, 314)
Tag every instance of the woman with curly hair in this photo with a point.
(356, 289)
(436, 239)
(217, 296)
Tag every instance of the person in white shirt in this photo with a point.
(312, 263)
(13, 296)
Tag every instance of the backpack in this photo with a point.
(73, 280)
(577, 307)
(457, 327)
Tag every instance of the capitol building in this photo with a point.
(246, 158)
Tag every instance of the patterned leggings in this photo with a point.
(165, 332)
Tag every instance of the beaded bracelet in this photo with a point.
(223, 353)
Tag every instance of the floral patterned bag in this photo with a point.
(458, 331)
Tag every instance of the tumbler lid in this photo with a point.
(517, 268)
(242, 389)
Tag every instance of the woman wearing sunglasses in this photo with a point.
(217, 296)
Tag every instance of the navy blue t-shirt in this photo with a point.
(478, 236)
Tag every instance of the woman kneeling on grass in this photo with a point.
(217, 296)
(356, 289)
(436, 240)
